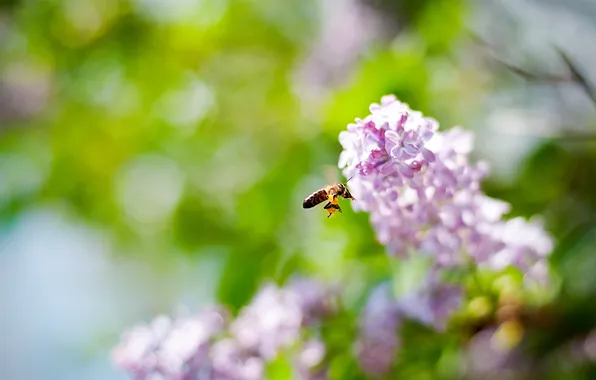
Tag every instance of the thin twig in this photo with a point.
(541, 77)
(578, 77)
(535, 77)
(575, 75)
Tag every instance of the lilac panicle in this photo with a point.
(424, 197)
(206, 346)
(423, 193)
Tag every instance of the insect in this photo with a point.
(329, 193)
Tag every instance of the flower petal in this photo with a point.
(428, 155)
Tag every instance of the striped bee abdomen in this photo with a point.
(315, 198)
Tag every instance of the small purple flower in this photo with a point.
(387, 141)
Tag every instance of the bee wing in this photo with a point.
(331, 175)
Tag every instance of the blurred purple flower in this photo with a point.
(203, 346)
(487, 357)
(271, 321)
(184, 351)
(524, 245)
(230, 361)
(135, 353)
(275, 317)
(432, 303)
(378, 340)
(317, 300)
(423, 194)
(307, 362)
(177, 349)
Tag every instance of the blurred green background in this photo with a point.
(154, 154)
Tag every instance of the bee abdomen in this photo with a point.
(314, 199)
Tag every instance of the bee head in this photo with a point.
(346, 193)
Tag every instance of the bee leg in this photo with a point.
(327, 207)
(330, 207)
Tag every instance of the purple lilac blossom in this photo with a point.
(423, 193)
(204, 346)
(424, 197)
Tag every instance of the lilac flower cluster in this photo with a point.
(424, 197)
(423, 193)
(209, 346)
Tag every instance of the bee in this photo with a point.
(328, 193)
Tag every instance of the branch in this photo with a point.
(578, 77)
(575, 75)
(530, 76)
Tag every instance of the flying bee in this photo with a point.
(328, 193)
